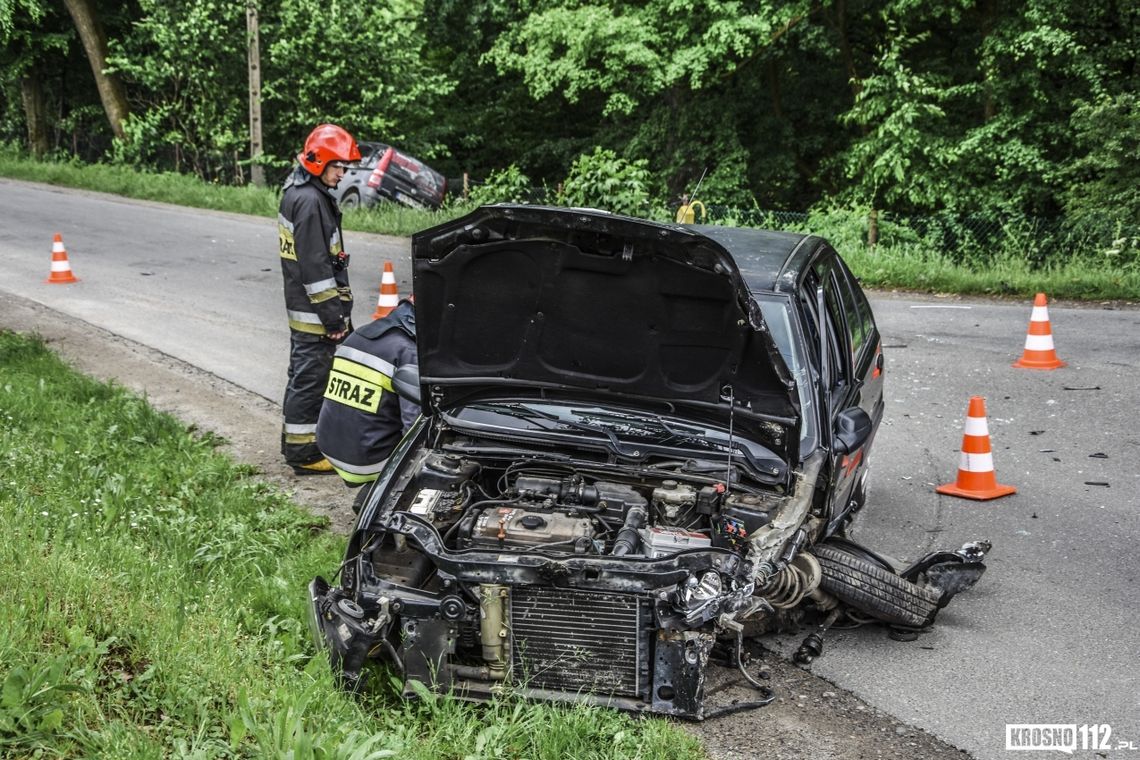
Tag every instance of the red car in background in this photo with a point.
(385, 173)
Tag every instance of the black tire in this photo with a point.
(350, 199)
(875, 591)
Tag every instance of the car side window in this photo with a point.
(837, 329)
(811, 318)
(855, 326)
(832, 323)
(858, 311)
(864, 308)
(811, 322)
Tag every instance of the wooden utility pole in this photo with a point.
(256, 170)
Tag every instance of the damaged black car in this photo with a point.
(640, 441)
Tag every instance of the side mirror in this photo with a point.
(406, 382)
(852, 429)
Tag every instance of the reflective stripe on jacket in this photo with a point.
(362, 419)
(318, 299)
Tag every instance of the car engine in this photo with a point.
(580, 513)
(585, 581)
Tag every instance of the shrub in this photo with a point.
(603, 180)
(507, 185)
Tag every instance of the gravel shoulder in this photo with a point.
(810, 718)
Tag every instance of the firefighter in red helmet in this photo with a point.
(318, 299)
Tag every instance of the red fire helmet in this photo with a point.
(325, 143)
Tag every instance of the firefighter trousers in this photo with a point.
(309, 363)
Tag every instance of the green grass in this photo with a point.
(393, 219)
(185, 190)
(154, 605)
(166, 187)
(908, 264)
(910, 267)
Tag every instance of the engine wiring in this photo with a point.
(735, 707)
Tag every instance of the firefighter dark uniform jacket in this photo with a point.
(362, 419)
(318, 299)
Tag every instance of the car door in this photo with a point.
(850, 314)
(865, 341)
(826, 296)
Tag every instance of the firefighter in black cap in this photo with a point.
(362, 419)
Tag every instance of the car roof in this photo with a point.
(768, 260)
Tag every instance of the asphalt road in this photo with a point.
(201, 286)
(1050, 635)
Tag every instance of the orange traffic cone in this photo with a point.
(976, 479)
(60, 266)
(389, 296)
(1039, 353)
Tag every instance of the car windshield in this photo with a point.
(628, 433)
(778, 316)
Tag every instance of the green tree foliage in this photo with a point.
(354, 64)
(1034, 65)
(992, 107)
(1107, 175)
(507, 186)
(903, 157)
(50, 103)
(631, 52)
(190, 60)
(361, 65)
(653, 64)
(602, 180)
(1102, 187)
(492, 120)
(27, 44)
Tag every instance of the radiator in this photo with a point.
(567, 640)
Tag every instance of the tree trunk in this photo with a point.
(32, 94)
(845, 51)
(989, 107)
(95, 44)
(774, 92)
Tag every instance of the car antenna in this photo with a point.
(731, 444)
(693, 197)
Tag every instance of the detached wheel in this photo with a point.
(874, 590)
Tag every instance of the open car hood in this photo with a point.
(582, 304)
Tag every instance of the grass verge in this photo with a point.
(186, 190)
(907, 265)
(154, 605)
